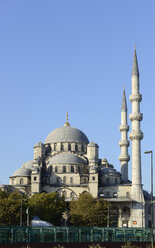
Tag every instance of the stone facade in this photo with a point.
(69, 164)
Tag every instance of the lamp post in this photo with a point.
(151, 152)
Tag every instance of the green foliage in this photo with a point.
(48, 207)
(88, 211)
(129, 245)
(10, 205)
(96, 246)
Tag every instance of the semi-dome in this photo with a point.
(23, 172)
(66, 158)
(28, 164)
(67, 134)
(109, 171)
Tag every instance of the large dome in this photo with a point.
(66, 158)
(66, 134)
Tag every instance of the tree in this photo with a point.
(47, 206)
(88, 211)
(10, 205)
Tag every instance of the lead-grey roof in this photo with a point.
(23, 172)
(28, 164)
(66, 158)
(67, 134)
(109, 171)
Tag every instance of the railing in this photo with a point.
(18, 234)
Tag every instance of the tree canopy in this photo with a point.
(88, 211)
(47, 206)
(10, 206)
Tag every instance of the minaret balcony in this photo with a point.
(124, 143)
(124, 128)
(136, 136)
(125, 158)
(136, 117)
(135, 97)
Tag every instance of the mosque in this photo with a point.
(69, 164)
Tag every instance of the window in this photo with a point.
(55, 146)
(64, 193)
(72, 168)
(127, 194)
(93, 178)
(64, 179)
(64, 169)
(69, 147)
(56, 169)
(115, 180)
(82, 148)
(57, 180)
(21, 181)
(76, 147)
(71, 180)
(72, 194)
(35, 178)
(62, 147)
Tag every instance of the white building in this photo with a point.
(69, 164)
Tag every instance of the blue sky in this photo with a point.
(75, 56)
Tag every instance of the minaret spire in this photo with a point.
(135, 70)
(124, 143)
(124, 105)
(136, 136)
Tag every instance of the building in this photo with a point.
(69, 164)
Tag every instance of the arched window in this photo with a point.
(127, 194)
(57, 180)
(72, 168)
(69, 147)
(64, 193)
(64, 179)
(55, 146)
(72, 194)
(126, 211)
(21, 181)
(64, 169)
(71, 180)
(56, 169)
(108, 181)
(62, 147)
(76, 147)
(82, 148)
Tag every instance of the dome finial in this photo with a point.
(66, 123)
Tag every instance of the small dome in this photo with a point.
(66, 134)
(66, 158)
(23, 172)
(28, 164)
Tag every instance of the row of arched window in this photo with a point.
(72, 194)
(64, 180)
(69, 147)
(64, 169)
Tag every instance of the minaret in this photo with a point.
(124, 143)
(136, 135)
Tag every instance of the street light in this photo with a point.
(151, 152)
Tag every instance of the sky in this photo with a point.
(75, 56)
